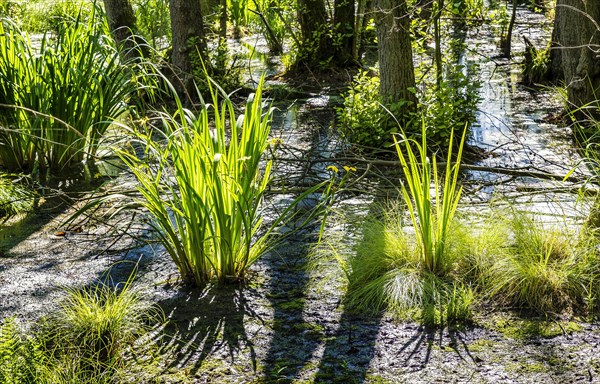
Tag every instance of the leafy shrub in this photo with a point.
(362, 119)
(451, 107)
(58, 103)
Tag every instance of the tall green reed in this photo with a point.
(58, 101)
(203, 179)
(431, 218)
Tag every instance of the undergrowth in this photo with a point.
(100, 334)
(59, 100)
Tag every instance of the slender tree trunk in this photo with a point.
(121, 21)
(507, 40)
(438, 44)
(577, 34)
(343, 21)
(397, 75)
(223, 20)
(189, 45)
(315, 47)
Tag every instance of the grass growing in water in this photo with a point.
(402, 270)
(432, 219)
(14, 197)
(545, 269)
(98, 335)
(204, 185)
(57, 103)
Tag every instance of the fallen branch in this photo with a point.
(523, 172)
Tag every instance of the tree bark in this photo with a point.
(397, 74)
(315, 47)
(507, 40)
(121, 21)
(343, 21)
(189, 44)
(577, 28)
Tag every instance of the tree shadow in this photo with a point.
(56, 194)
(297, 327)
(349, 352)
(294, 339)
(208, 324)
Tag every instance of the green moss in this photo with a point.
(293, 305)
(519, 328)
(481, 345)
(376, 379)
(536, 367)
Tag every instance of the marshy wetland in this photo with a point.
(286, 224)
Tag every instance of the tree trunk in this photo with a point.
(438, 44)
(343, 21)
(397, 74)
(578, 39)
(121, 21)
(507, 40)
(555, 71)
(315, 47)
(189, 45)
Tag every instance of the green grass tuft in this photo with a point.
(545, 269)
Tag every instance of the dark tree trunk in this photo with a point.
(121, 21)
(315, 46)
(396, 66)
(437, 33)
(555, 71)
(578, 40)
(189, 45)
(343, 22)
(507, 40)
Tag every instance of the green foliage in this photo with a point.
(387, 273)
(153, 21)
(41, 16)
(98, 335)
(58, 103)
(545, 270)
(402, 270)
(468, 9)
(432, 219)
(223, 68)
(14, 197)
(94, 330)
(535, 64)
(203, 187)
(11, 8)
(362, 119)
(450, 107)
(20, 356)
